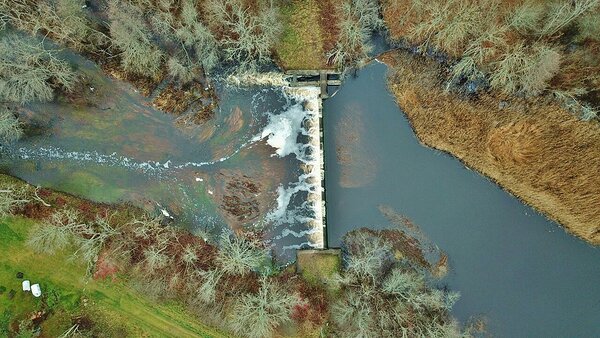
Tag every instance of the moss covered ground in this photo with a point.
(319, 266)
(309, 29)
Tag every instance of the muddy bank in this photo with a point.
(534, 149)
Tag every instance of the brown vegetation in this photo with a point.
(526, 47)
(534, 148)
(190, 102)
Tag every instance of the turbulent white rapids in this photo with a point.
(298, 214)
(301, 118)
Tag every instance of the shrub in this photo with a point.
(29, 72)
(546, 66)
(10, 127)
(237, 256)
(562, 14)
(257, 315)
(526, 70)
(12, 197)
(133, 37)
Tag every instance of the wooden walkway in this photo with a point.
(315, 78)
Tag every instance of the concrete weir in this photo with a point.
(311, 88)
(321, 80)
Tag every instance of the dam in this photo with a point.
(320, 79)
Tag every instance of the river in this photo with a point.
(513, 266)
(519, 270)
(243, 169)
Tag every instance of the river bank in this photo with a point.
(101, 301)
(520, 271)
(115, 262)
(536, 150)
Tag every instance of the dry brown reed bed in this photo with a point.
(533, 148)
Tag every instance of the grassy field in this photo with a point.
(120, 308)
(318, 266)
(309, 28)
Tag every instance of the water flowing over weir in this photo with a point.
(121, 149)
(282, 135)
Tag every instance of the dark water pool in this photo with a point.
(524, 273)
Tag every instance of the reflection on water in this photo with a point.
(523, 272)
(357, 165)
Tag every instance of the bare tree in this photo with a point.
(358, 20)
(12, 197)
(134, 38)
(92, 237)
(10, 127)
(257, 315)
(55, 233)
(247, 37)
(207, 292)
(30, 72)
(525, 69)
(194, 45)
(396, 303)
(155, 258)
(562, 14)
(238, 256)
(65, 21)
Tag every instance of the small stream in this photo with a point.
(522, 272)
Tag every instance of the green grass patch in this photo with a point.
(319, 266)
(301, 45)
(65, 286)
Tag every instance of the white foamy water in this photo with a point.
(282, 132)
(299, 204)
(113, 160)
(272, 79)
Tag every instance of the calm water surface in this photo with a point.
(511, 264)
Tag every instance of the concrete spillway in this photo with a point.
(308, 88)
(314, 167)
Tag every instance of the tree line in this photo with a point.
(235, 285)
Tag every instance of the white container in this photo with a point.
(26, 285)
(36, 290)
